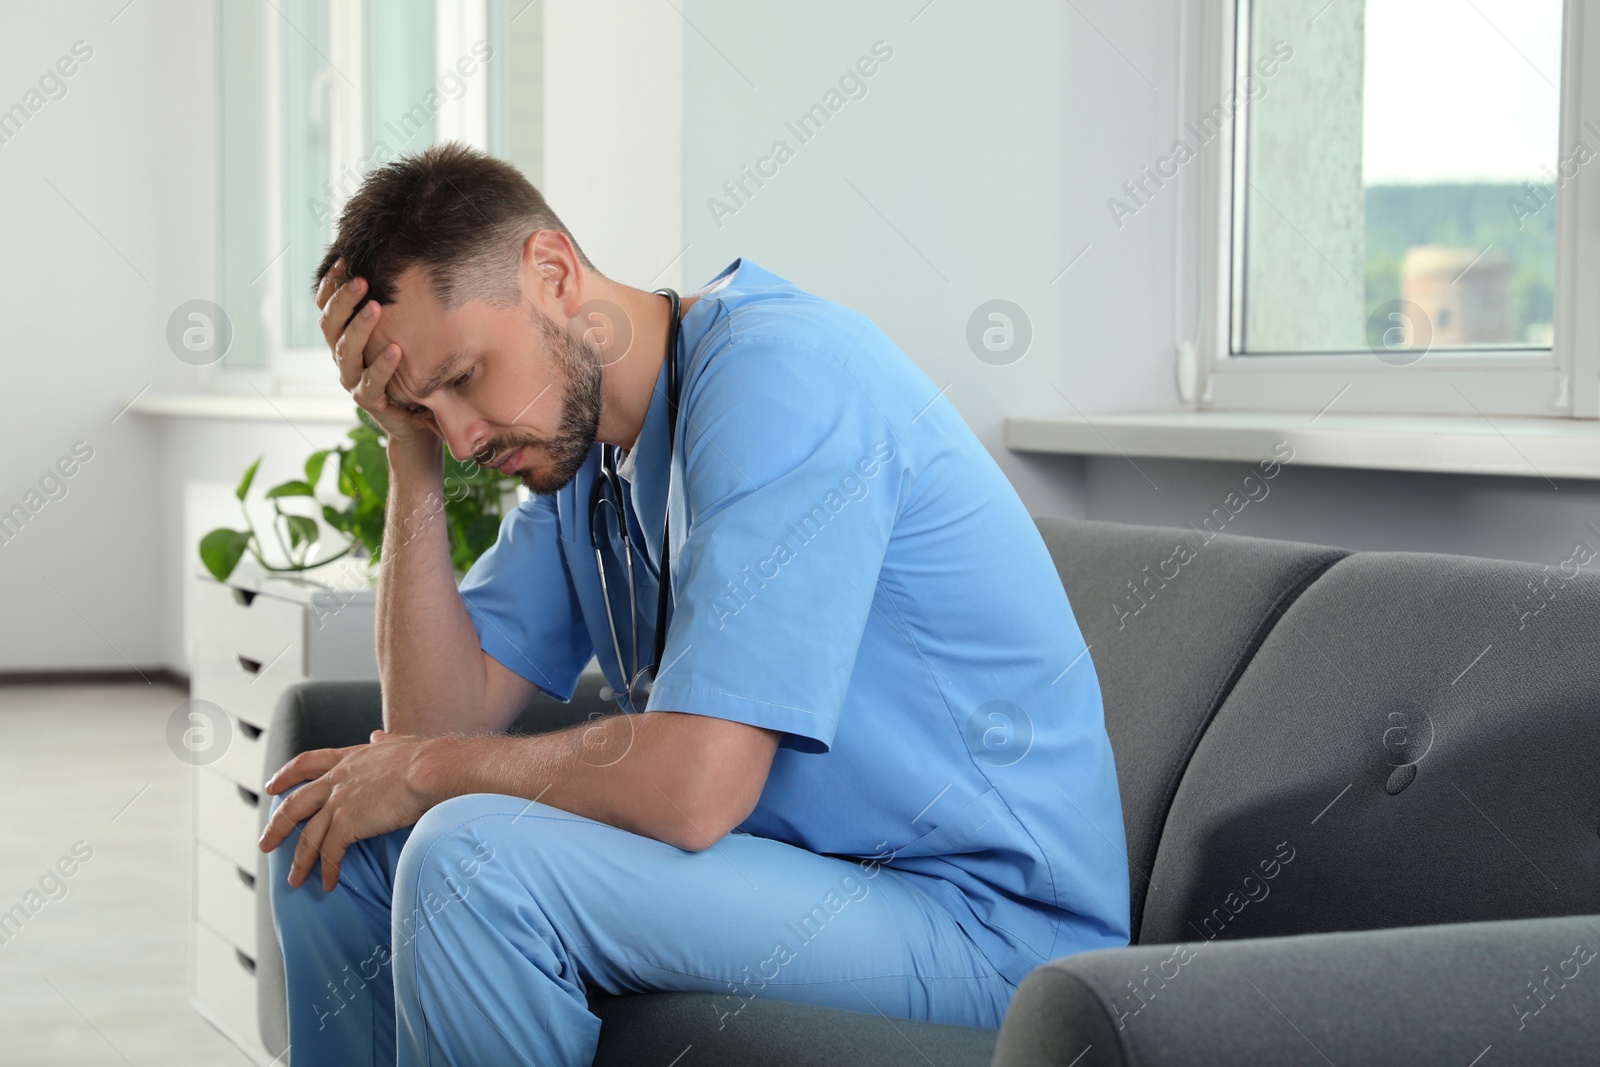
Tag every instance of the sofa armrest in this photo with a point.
(334, 714)
(1528, 988)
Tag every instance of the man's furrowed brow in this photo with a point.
(448, 369)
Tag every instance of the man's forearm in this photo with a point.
(428, 654)
(630, 771)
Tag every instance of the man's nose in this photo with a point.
(461, 432)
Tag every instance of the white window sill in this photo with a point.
(255, 406)
(1526, 447)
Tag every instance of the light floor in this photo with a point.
(100, 975)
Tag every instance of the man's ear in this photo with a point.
(552, 261)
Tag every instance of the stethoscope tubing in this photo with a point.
(609, 477)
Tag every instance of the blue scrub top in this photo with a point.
(852, 568)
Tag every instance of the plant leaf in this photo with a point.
(339, 520)
(369, 423)
(481, 533)
(221, 549)
(314, 464)
(294, 487)
(367, 529)
(347, 475)
(244, 483)
(303, 530)
(372, 466)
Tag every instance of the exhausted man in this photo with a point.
(857, 758)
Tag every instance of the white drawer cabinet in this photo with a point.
(254, 637)
(225, 898)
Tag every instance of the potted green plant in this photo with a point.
(473, 504)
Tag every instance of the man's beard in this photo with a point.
(579, 362)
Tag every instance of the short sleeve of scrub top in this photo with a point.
(521, 600)
(793, 484)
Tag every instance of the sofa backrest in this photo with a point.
(1171, 617)
(1416, 742)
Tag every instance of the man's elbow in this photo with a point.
(699, 822)
(701, 830)
(693, 840)
(714, 783)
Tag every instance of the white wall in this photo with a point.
(1470, 515)
(90, 270)
(613, 160)
(976, 167)
(132, 146)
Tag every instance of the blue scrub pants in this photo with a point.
(472, 937)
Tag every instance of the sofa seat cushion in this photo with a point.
(716, 1030)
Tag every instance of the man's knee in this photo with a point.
(363, 860)
(458, 845)
(457, 839)
(282, 857)
(441, 860)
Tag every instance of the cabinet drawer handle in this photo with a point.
(246, 962)
(247, 796)
(247, 878)
(250, 666)
(251, 732)
(243, 597)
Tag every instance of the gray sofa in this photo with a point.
(1361, 794)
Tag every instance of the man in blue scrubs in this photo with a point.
(872, 772)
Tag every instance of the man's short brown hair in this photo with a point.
(458, 213)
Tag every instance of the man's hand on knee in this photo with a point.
(350, 794)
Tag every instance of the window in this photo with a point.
(314, 93)
(1387, 216)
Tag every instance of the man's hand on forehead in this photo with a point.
(365, 354)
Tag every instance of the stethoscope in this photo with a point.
(641, 678)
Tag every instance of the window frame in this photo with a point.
(1486, 383)
(458, 23)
